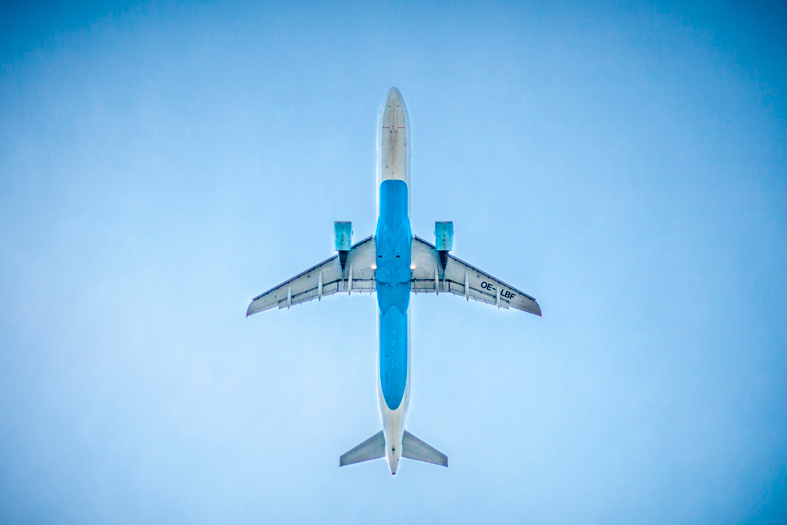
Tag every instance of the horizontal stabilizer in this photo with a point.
(372, 448)
(414, 448)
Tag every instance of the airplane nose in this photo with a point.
(394, 97)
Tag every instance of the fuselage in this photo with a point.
(393, 239)
(393, 263)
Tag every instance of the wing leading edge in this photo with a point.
(326, 278)
(460, 278)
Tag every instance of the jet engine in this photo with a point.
(343, 237)
(444, 240)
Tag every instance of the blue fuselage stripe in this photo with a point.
(393, 240)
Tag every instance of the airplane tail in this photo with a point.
(372, 448)
(412, 448)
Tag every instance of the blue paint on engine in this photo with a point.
(444, 236)
(393, 239)
(343, 234)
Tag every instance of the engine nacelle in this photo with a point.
(343, 238)
(444, 240)
(444, 236)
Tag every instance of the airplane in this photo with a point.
(393, 263)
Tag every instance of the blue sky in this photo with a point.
(162, 163)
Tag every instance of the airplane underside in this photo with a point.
(393, 263)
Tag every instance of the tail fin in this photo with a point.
(372, 448)
(414, 448)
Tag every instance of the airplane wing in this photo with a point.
(326, 278)
(460, 278)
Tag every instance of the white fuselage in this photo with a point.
(393, 163)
